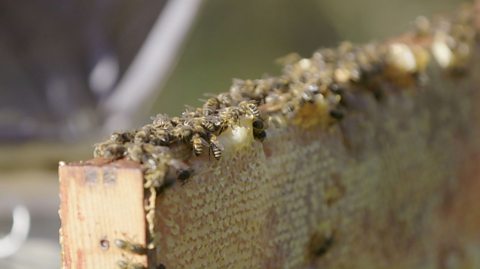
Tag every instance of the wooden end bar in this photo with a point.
(94, 213)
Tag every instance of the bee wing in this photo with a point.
(160, 116)
(204, 142)
(189, 108)
(288, 59)
(210, 95)
(219, 145)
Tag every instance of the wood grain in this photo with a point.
(100, 202)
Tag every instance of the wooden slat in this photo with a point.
(100, 203)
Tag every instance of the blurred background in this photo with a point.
(71, 72)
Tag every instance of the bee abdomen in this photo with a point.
(217, 152)
(130, 247)
(215, 148)
(259, 134)
(210, 106)
(197, 143)
(209, 126)
(250, 108)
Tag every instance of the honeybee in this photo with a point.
(289, 108)
(142, 135)
(313, 88)
(401, 58)
(262, 89)
(242, 88)
(182, 132)
(162, 121)
(151, 155)
(250, 108)
(134, 152)
(307, 97)
(200, 125)
(259, 129)
(258, 124)
(347, 71)
(198, 144)
(221, 124)
(259, 134)
(210, 106)
(99, 149)
(215, 147)
(328, 55)
(336, 88)
(280, 84)
(122, 264)
(452, 50)
(364, 62)
(176, 121)
(288, 59)
(232, 113)
(162, 140)
(191, 112)
(236, 89)
(275, 101)
(345, 48)
(208, 125)
(130, 247)
(422, 27)
(225, 99)
(114, 151)
(228, 117)
(160, 137)
(121, 137)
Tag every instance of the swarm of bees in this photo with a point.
(309, 92)
(198, 129)
(453, 42)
